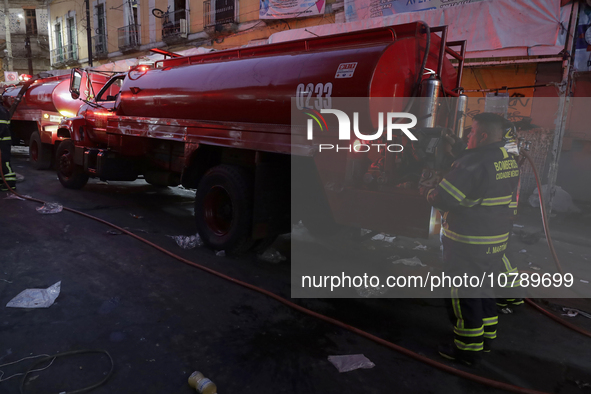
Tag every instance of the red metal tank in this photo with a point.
(47, 94)
(255, 85)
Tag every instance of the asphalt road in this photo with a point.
(161, 319)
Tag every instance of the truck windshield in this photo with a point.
(110, 91)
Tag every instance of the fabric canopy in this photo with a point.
(492, 28)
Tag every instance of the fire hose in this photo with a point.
(552, 252)
(338, 323)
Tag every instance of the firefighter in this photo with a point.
(5, 146)
(475, 197)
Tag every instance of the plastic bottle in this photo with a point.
(202, 384)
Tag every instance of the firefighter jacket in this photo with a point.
(478, 198)
(4, 124)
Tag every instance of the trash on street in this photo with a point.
(350, 362)
(367, 292)
(36, 298)
(50, 207)
(12, 196)
(271, 255)
(383, 237)
(572, 312)
(187, 242)
(412, 262)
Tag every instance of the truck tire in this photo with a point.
(71, 176)
(223, 209)
(39, 153)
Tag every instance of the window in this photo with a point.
(58, 52)
(100, 14)
(179, 5)
(58, 36)
(72, 52)
(71, 30)
(224, 11)
(131, 10)
(110, 92)
(31, 22)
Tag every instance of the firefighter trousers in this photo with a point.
(9, 174)
(513, 292)
(474, 323)
(472, 310)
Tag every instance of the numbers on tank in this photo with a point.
(317, 96)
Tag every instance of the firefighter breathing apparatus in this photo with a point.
(411, 354)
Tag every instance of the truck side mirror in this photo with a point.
(75, 81)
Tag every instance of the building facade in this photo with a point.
(130, 28)
(29, 48)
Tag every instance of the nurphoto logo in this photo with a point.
(392, 120)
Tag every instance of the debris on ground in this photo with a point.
(300, 233)
(136, 216)
(419, 246)
(220, 253)
(523, 251)
(532, 266)
(114, 232)
(584, 281)
(383, 237)
(572, 312)
(582, 385)
(36, 298)
(50, 207)
(412, 262)
(187, 242)
(271, 255)
(12, 196)
(562, 202)
(530, 237)
(350, 362)
(518, 225)
(371, 291)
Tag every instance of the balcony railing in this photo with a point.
(129, 37)
(65, 54)
(217, 17)
(175, 24)
(99, 45)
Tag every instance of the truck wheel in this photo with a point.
(70, 175)
(223, 209)
(39, 153)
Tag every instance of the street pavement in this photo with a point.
(161, 319)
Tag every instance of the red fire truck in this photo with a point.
(37, 116)
(221, 123)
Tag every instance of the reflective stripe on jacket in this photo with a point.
(476, 194)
